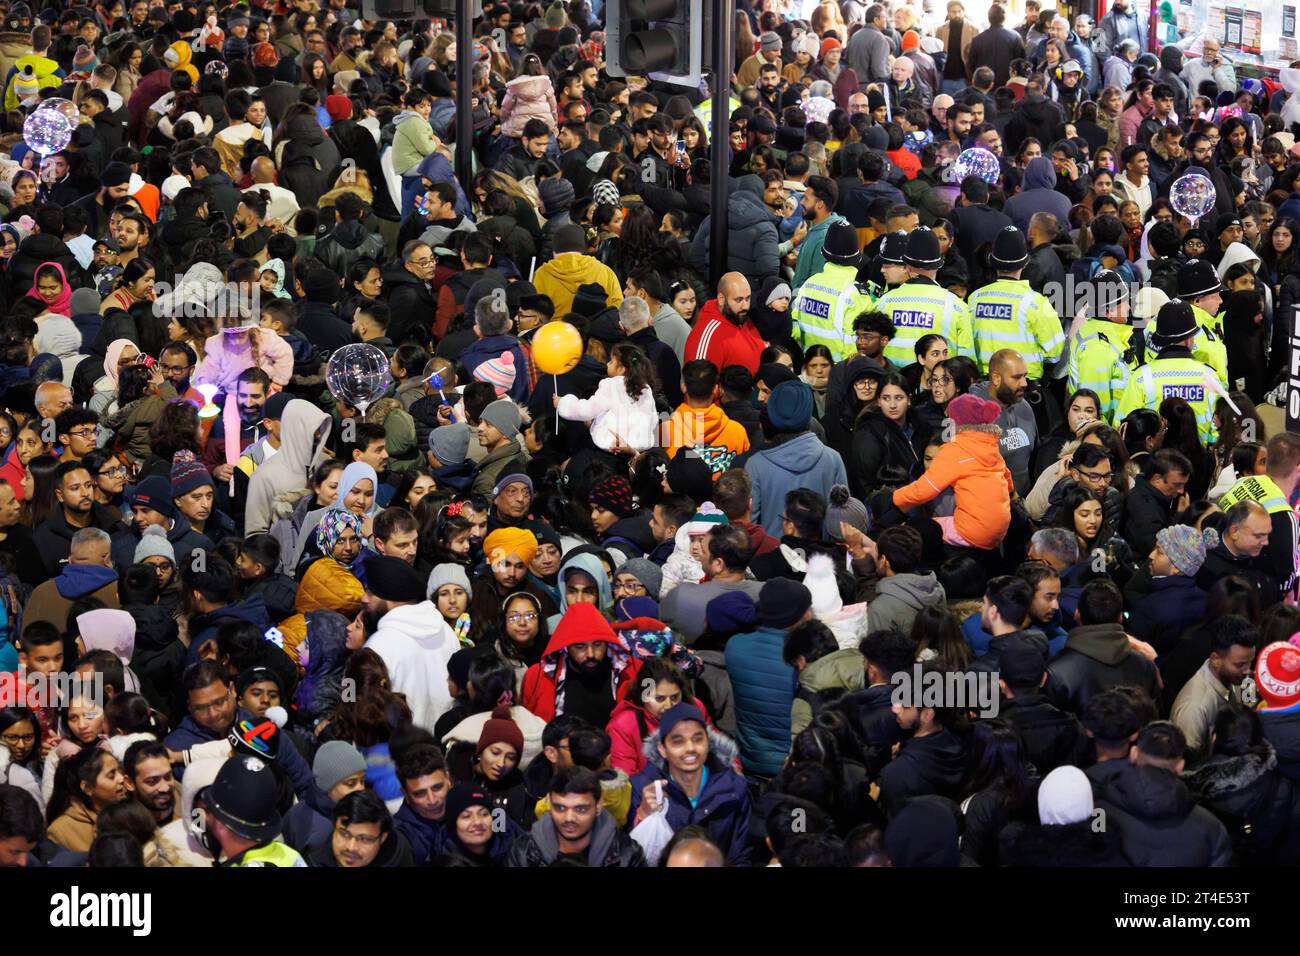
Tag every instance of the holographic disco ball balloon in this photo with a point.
(66, 107)
(358, 374)
(1192, 195)
(978, 162)
(47, 131)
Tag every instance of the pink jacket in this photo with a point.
(223, 365)
(625, 741)
(1129, 122)
(528, 97)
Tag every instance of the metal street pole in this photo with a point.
(464, 83)
(720, 149)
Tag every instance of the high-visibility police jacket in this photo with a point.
(919, 307)
(1103, 355)
(1172, 374)
(274, 853)
(824, 310)
(704, 112)
(1007, 314)
(1260, 488)
(1208, 345)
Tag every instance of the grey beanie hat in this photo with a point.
(335, 761)
(154, 544)
(842, 506)
(503, 415)
(447, 573)
(645, 571)
(84, 302)
(450, 443)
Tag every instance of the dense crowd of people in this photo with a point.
(943, 528)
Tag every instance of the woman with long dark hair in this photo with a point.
(85, 784)
(999, 788)
(885, 450)
(40, 505)
(1182, 434)
(1082, 512)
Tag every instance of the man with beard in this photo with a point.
(132, 236)
(411, 637)
(213, 714)
(422, 817)
(584, 670)
(251, 391)
(151, 503)
(1008, 382)
(74, 493)
(149, 778)
(723, 333)
(508, 552)
(820, 197)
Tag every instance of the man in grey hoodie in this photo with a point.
(1008, 382)
(304, 429)
(902, 592)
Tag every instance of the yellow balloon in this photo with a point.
(557, 347)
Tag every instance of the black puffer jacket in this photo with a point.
(986, 813)
(1159, 821)
(881, 455)
(609, 847)
(923, 765)
(1052, 736)
(33, 252)
(1254, 801)
(1073, 845)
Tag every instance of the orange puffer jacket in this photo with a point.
(326, 585)
(971, 464)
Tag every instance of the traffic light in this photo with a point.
(407, 9)
(666, 40)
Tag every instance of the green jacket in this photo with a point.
(837, 669)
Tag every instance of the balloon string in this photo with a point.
(556, 378)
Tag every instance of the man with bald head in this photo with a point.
(52, 398)
(1007, 385)
(695, 852)
(723, 333)
(281, 204)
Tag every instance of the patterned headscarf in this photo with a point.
(332, 525)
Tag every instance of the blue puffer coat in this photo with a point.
(763, 689)
(752, 235)
(722, 807)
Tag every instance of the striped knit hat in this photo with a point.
(499, 372)
(187, 474)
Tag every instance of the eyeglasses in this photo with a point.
(176, 368)
(1096, 475)
(633, 587)
(527, 617)
(15, 739)
(118, 472)
(365, 839)
(90, 431)
(421, 263)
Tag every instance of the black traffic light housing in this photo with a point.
(666, 40)
(407, 9)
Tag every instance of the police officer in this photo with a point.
(1174, 373)
(240, 820)
(886, 271)
(1198, 285)
(1008, 314)
(1106, 350)
(920, 306)
(830, 300)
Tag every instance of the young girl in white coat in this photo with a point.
(622, 412)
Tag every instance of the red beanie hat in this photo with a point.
(911, 41)
(973, 410)
(501, 729)
(339, 108)
(830, 43)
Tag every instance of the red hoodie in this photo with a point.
(542, 692)
(719, 340)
